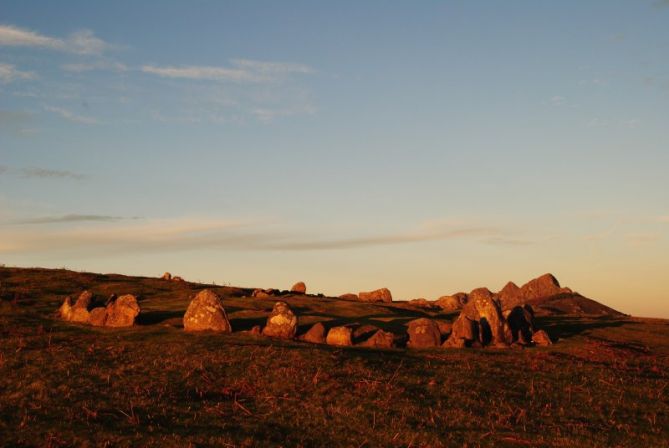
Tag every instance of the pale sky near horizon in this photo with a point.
(428, 147)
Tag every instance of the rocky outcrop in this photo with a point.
(379, 295)
(340, 336)
(481, 320)
(423, 333)
(206, 312)
(315, 335)
(281, 323)
(299, 288)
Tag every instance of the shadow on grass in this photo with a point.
(568, 327)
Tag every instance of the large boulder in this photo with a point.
(520, 322)
(299, 288)
(122, 312)
(423, 333)
(380, 339)
(480, 320)
(79, 311)
(315, 335)
(281, 323)
(379, 295)
(340, 336)
(206, 312)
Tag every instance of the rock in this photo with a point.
(363, 332)
(122, 312)
(339, 336)
(510, 295)
(423, 333)
(98, 316)
(520, 325)
(315, 335)
(299, 288)
(166, 276)
(483, 309)
(445, 328)
(176, 278)
(541, 338)
(281, 323)
(379, 295)
(262, 293)
(544, 286)
(206, 312)
(380, 339)
(349, 296)
(65, 310)
(464, 329)
(80, 308)
(449, 303)
(255, 330)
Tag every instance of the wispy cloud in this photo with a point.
(9, 73)
(71, 116)
(97, 65)
(80, 42)
(208, 234)
(70, 218)
(240, 70)
(45, 173)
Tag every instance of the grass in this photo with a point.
(603, 384)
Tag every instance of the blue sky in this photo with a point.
(428, 147)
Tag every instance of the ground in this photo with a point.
(604, 383)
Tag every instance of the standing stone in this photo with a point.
(65, 310)
(486, 311)
(340, 336)
(80, 308)
(206, 312)
(423, 333)
(379, 295)
(122, 312)
(315, 335)
(299, 288)
(281, 323)
(98, 317)
(166, 276)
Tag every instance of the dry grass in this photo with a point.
(603, 384)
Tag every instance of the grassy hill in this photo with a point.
(604, 383)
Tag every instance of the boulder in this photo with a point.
(255, 330)
(509, 296)
(449, 303)
(379, 295)
(166, 276)
(349, 296)
(98, 316)
(484, 309)
(299, 288)
(463, 332)
(380, 339)
(281, 323)
(423, 333)
(176, 278)
(206, 312)
(79, 312)
(340, 336)
(262, 293)
(541, 338)
(520, 325)
(315, 335)
(65, 310)
(445, 328)
(122, 312)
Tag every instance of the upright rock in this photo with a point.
(281, 323)
(380, 339)
(166, 276)
(450, 303)
(122, 312)
(340, 336)
(520, 322)
(299, 288)
(482, 315)
(79, 312)
(206, 312)
(423, 333)
(379, 295)
(315, 335)
(65, 310)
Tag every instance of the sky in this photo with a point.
(428, 147)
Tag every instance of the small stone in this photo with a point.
(541, 338)
(299, 288)
(379, 295)
(166, 276)
(380, 339)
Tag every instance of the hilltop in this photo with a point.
(64, 384)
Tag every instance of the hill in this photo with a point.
(61, 384)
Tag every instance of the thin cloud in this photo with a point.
(240, 70)
(73, 217)
(80, 42)
(98, 65)
(71, 116)
(45, 173)
(203, 234)
(9, 73)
